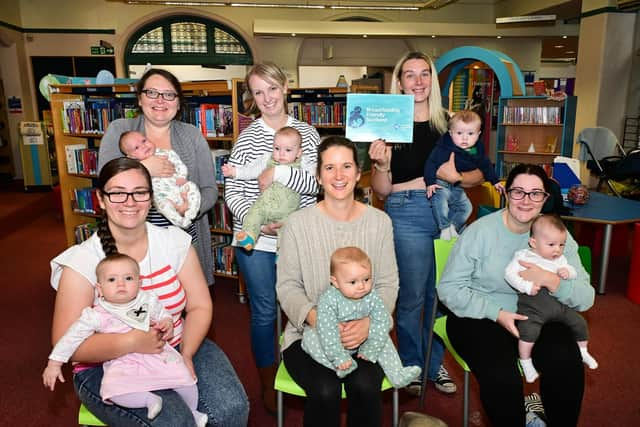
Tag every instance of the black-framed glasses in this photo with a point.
(154, 94)
(123, 196)
(534, 196)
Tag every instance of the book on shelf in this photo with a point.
(70, 154)
(379, 116)
(532, 115)
(220, 157)
(213, 119)
(223, 255)
(85, 200)
(220, 217)
(84, 231)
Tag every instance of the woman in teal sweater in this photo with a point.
(482, 327)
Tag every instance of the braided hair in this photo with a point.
(108, 171)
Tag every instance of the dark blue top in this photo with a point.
(465, 161)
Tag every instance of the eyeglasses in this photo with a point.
(123, 196)
(154, 94)
(534, 196)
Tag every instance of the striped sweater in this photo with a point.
(254, 142)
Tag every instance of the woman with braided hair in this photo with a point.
(169, 267)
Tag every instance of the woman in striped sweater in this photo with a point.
(267, 85)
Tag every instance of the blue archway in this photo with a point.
(506, 70)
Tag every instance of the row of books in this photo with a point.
(220, 216)
(84, 231)
(81, 160)
(85, 200)
(532, 115)
(213, 120)
(93, 115)
(223, 255)
(319, 114)
(220, 157)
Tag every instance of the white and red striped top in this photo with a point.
(168, 248)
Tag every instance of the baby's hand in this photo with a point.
(563, 272)
(181, 181)
(165, 326)
(345, 365)
(360, 356)
(534, 289)
(431, 190)
(499, 187)
(228, 170)
(51, 373)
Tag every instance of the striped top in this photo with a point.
(254, 142)
(168, 248)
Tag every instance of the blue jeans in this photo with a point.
(413, 232)
(259, 271)
(450, 206)
(221, 396)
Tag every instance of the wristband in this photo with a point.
(379, 169)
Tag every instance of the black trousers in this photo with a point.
(492, 353)
(324, 388)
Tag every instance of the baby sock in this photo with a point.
(245, 240)
(201, 418)
(588, 359)
(154, 406)
(530, 373)
(403, 376)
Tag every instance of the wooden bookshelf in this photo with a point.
(211, 92)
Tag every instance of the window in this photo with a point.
(187, 40)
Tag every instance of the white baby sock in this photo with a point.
(530, 373)
(588, 359)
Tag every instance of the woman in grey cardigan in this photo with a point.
(307, 240)
(159, 96)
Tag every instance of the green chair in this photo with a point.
(285, 384)
(86, 418)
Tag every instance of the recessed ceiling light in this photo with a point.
(564, 37)
(433, 36)
(364, 36)
(559, 46)
(498, 37)
(293, 34)
(570, 51)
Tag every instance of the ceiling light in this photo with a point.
(433, 36)
(564, 37)
(289, 6)
(498, 37)
(364, 36)
(559, 46)
(375, 7)
(527, 18)
(293, 34)
(570, 51)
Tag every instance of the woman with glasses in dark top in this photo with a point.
(482, 326)
(170, 269)
(159, 97)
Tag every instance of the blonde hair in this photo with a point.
(348, 255)
(267, 71)
(437, 114)
(465, 116)
(289, 131)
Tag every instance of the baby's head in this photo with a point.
(351, 272)
(548, 236)
(136, 146)
(464, 128)
(118, 278)
(287, 145)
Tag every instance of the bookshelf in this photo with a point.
(534, 129)
(81, 114)
(323, 107)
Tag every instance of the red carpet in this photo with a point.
(31, 234)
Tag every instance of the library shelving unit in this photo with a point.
(534, 129)
(80, 115)
(322, 107)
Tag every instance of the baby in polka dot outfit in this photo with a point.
(350, 297)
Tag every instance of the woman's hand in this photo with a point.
(159, 166)
(447, 171)
(431, 190)
(539, 276)
(265, 179)
(271, 229)
(354, 332)
(150, 342)
(380, 154)
(507, 320)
